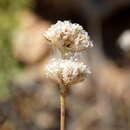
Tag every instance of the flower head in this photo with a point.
(66, 72)
(68, 36)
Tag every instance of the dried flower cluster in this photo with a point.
(68, 38)
(67, 72)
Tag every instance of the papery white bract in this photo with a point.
(66, 72)
(68, 36)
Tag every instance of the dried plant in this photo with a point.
(69, 39)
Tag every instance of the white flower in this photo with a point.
(68, 36)
(124, 40)
(66, 72)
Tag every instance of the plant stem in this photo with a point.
(62, 113)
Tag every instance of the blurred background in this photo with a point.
(28, 101)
